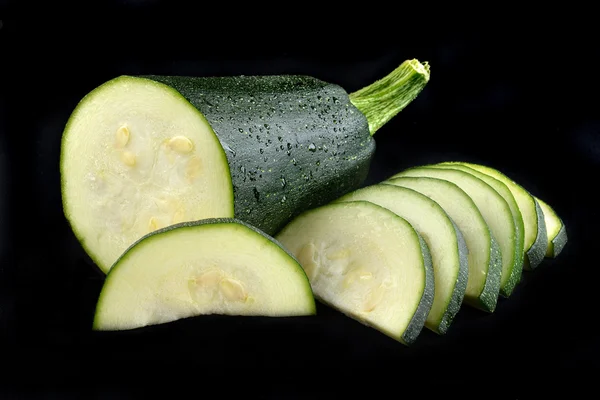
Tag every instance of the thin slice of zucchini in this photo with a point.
(485, 260)
(366, 262)
(444, 239)
(213, 266)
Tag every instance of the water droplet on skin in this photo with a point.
(283, 182)
(243, 169)
(289, 146)
(312, 147)
(241, 130)
(229, 149)
(256, 195)
(261, 151)
(283, 199)
(279, 138)
(267, 126)
(318, 163)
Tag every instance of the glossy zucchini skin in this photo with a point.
(292, 142)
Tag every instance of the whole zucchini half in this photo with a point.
(142, 153)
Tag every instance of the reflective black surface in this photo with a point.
(526, 105)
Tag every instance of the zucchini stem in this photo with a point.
(383, 99)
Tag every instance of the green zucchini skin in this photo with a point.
(293, 142)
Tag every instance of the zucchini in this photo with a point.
(536, 238)
(483, 284)
(495, 212)
(214, 266)
(555, 230)
(366, 262)
(509, 280)
(140, 153)
(444, 240)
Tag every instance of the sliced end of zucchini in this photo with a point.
(213, 266)
(137, 156)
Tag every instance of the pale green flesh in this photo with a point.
(508, 280)
(555, 229)
(493, 208)
(485, 268)
(367, 263)
(441, 236)
(214, 266)
(535, 242)
(135, 157)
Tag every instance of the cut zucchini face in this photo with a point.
(366, 262)
(485, 260)
(446, 245)
(511, 277)
(555, 229)
(213, 266)
(536, 239)
(136, 157)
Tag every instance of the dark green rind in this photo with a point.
(209, 222)
(268, 126)
(537, 252)
(558, 243)
(416, 324)
(461, 284)
(73, 115)
(488, 299)
(519, 256)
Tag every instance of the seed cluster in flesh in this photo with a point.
(138, 157)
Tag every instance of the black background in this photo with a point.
(520, 96)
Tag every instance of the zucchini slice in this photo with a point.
(509, 280)
(555, 229)
(213, 266)
(536, 239)
(444, 239)
(485, 260)
(137, 156)
(495, 212)
(366, 262)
